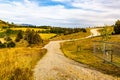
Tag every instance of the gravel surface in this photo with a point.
(55, 66)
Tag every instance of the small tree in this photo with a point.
(19, 36)
(105, 34)
(37, 39)
(117, 27)
(32, 37)
(105, 37)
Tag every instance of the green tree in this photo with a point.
(117, 27)
(32, 37)
(19, 36)
(105, 34)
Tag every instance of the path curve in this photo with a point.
(55, 66)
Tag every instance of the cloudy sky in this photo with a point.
(64, 13)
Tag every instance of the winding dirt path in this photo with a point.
(55, 66)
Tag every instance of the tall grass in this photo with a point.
(17, 63)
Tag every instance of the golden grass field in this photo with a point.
(17, 63)
(24, 29)
(73, 36)
(84, 54)
(46, 36)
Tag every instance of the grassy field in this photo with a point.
(73, 36)
(82, 51)
(46, 36)
(24, 29)
(17, 63)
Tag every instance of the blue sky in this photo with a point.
(64, 13)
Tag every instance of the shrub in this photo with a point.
(7, 38)
(32, 37)
(10, 44)
(2, 45)
(19, 36)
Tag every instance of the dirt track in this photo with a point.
(55, 66)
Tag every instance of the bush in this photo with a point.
(2, 45)
(32, 37)
(7, 38)
(19, 36)
(10, 44)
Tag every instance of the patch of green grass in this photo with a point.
(85, 55)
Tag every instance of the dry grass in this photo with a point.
(24, 29)
(73, 36)
(85, 55)
(17, 63)
(46, 36)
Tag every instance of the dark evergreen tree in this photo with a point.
(117, 27)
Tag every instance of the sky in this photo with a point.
(62, 13)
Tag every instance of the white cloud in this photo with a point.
(88, 13)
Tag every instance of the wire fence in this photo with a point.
(108, 52)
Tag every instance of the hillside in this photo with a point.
(3, 24)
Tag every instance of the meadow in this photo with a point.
(73, 36)
(17, 63)
(82, 52)
(24, 29)
(46, 36)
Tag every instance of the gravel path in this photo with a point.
(55, 66)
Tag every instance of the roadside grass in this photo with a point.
(17, 63)
(84, 54)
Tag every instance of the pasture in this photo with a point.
(82, 52)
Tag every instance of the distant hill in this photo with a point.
(4, 24)
(26, 25)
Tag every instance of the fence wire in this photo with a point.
(108, 51)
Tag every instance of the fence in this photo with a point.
(108, 51)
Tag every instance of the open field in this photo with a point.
(73, 36)
(24, 29)
(82, 51)
(46, 36)
(17, 63)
